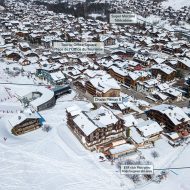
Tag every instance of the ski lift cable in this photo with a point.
(176, 168)
(25, 84)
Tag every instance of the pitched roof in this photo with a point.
(174, 113)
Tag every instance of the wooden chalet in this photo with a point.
(184, 64)
(164, 72)
(24, 122)
(24, 46)
(104, 86)
(95, 128)
(172, 117)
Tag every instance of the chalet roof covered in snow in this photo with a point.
(102, 117)
(173, 92)
(122, 148)
(163, 86)
(24, 44)
(85, 124)
(105, 83)
(56, 76)
(129, 120)
(93, 73)
(163, 67)
(174, 113)
(185, 61)
(160, 95)
(105, 37)
(118, 70)
(159, 60)
(89, 121)
(19, 118)
(173, 135)
(74, 110)
(138, 74)
(135, 136)
(149, 128)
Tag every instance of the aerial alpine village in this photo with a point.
(67, 111)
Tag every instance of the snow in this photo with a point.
(119, 70)
(185, 61)
(132, 106)
(150, 19)
(162, 96)
(40, 160)
(176, 157)
(105, 83)
(129, 120)
(165, 68)
(88, 122)
(163, 86)
(95, 15)
(122, 148)
(56, 76)
(174, 113)
(17, 119)
(176, 4)
(8, 101)
(2, 8)
(73, 108)
(24, 44)
(136, 136)
(56, 160)
(151, 82)
(53, 160)
(173, 92)
(173, 135)
(85, 124)
(149, 128)
(45, 95)
(102, 117)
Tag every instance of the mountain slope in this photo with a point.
(176, 4)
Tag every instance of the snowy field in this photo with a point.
(53, 160)
(176, 4)
(177, 179)
(56, 160)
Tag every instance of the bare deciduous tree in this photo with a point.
(154, 154)
(134, 177)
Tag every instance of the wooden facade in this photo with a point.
(162, 118)
(109, 41)
(126, 79)
(181, 65)
(95, 92)
(90, 88)
(13, 56)
(26, 126)
(99, 136)
(24, 48)
(164, 76)
(133, 83)
(117, 76)
(130, 82)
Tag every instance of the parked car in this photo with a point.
(174, 144)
